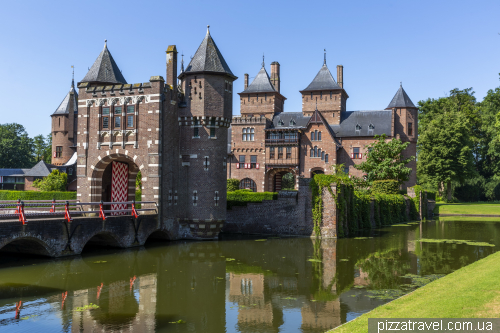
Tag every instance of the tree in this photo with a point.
(16, 148)
(385, 160)
(47, 154)
(55, 181)
(288, 181)
(445, 148)
(39, 148)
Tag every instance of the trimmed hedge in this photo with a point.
(385, 186)
(242, 197)
(36, 195)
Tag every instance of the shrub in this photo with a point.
(55, 181)
(385, 186)
(471, 190)
(36, 195)
(243, 197)
(138, 197)
(492, 190)
(233, 184)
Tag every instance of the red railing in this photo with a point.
(67, 209)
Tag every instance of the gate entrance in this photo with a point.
(119, 186)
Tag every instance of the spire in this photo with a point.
(208, 58)
(104, 69)
(401, 99)
(261, 83)
(323, 80)
(70, 101)
(263, 64)
(182, 63)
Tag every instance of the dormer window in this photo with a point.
(292, 122)
(281, 123)
(358, 127)
(371, 127)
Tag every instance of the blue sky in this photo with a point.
(431, 46)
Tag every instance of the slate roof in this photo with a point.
(41, 169)
(104, 69)
(261, 83)
(323, 81)
(381, 121)
(401, 100)
(298, 120)
(12, 172)
(70, 102)
(72, 160)
(208, 58)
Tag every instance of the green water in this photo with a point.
(234, 284)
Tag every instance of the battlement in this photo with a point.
(250, 120)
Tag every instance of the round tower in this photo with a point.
(64, 127)
(204, 119)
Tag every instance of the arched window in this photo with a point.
(330, 95)
(319, 136)
(326, 158)
(315, 151)
(311, 96)
(313, 137)
(312, 152)
(321, 95)
(322, 155)
(247, 183)
(319, 152)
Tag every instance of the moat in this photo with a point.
(247, 284)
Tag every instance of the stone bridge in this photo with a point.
(56, 237)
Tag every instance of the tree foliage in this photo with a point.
(16, 148)
(445, 145)
(42, 148)
(385, 160)
(55, 181)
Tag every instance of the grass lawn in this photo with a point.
(470, 292)
(468, 219)
(468, 208)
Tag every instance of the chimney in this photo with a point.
(340, 76)
(275, 75)
(172, 66)
(246, 81)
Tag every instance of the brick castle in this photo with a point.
(267, 143)
(174, 131)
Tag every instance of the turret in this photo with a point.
(64, 127)
(323, 92)
(262, 96)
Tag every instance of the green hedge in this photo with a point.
(233, 184)
(36, 195)
(385, 186)
(242, 197)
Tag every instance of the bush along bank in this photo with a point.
(357, 209)
(36, 195)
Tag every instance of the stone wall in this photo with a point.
(290, 214)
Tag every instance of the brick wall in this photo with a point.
(288, 215)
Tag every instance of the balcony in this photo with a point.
(291, 141)
(282, 161)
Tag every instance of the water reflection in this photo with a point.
(234, 285)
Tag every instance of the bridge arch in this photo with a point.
(103, 239)
(27, 245)
(158, 234)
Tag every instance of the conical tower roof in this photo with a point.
(401, 100)
(261, 83)
(323, 80)
(208, 58)
(70, 102)
(104, 69)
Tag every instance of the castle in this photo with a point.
(267, 143)
(173, 131)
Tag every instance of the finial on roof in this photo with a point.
(73, 77)
(263, 64)
(105, 43)
(208, 30)
(182, 62)
(400, 83)
(324, 61)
